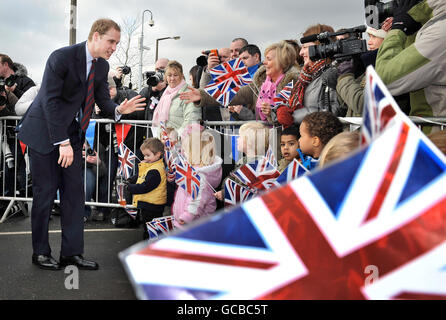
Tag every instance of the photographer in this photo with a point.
(224, 55)
(315, 90)
(153, 93)
(17, 74)
(351, 80)
(418, 68)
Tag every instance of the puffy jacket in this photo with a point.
(186, 209)
(320, 95)
(418, 68)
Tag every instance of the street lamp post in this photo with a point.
(158, 40)
(141, 44)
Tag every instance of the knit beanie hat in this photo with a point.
(377, 33)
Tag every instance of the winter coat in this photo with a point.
(181, 113)
(25, 101)
(247, 95)
(418, 68)
(320, 95)
(186, 209)
(351, 91)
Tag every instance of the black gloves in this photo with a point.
(346, 67)
(402, 20)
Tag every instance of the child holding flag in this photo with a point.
(148, 185)
(199, 150)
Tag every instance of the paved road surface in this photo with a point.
(20, 279)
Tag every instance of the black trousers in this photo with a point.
(48, 176)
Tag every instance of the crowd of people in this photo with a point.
(407, 52)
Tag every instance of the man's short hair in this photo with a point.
(102, 26)
(252, 49)
(153, 144)
(245, 42)
(4, 58)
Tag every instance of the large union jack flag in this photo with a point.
(372, 226)
(283, 97)
(187, 177)
(319, 236)
(227, 79)
(126, 161)
(258, 175)
(379, 107)
(293, 171)
(235, 193)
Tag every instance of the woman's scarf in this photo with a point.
(162, 110)
(267, 94)
(308, 73)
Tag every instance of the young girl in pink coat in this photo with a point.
(199, 149)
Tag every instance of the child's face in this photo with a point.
(305, 141)
(149, 156)
(288, 147)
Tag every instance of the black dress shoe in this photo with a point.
(45, 262)
(79, 262)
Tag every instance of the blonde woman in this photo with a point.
(278, 69)
(176, 113)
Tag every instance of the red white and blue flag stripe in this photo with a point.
(317, 237)
(187, 177)
(382, 209)
(235, 193)
(259, 174)
(126, 161)
(293, 171)
(159, 227)
(270, 156)
(380, 108)
(227, 79)
(283, 97)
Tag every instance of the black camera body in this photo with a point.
(154, 77)
(126, 69)
(376, 12)
(8, 82)
(89, 152)
(202, 61)
(339, 50)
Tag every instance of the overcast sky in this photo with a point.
(31, 29)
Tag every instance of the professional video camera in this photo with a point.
(340, 50)
(154, 77)
(126, 69)
(202, 60)
(376, 12)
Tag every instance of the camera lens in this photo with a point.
(126, 70)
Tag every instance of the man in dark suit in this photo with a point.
(75, 78)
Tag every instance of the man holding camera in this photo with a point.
(18, 82)
(418, 68)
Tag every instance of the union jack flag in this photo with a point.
(382, 209)
(283, 97)
(132, 213)
(293, 171)
(379, 107)
(159, 227)
(227, 79)
(270, 156)
(258, 175)
(126, 160)
(187, 177)
(235, 193)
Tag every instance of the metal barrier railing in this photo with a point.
(15, 179)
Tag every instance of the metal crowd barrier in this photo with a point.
(16, 180)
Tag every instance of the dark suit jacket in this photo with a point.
(51, 118)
